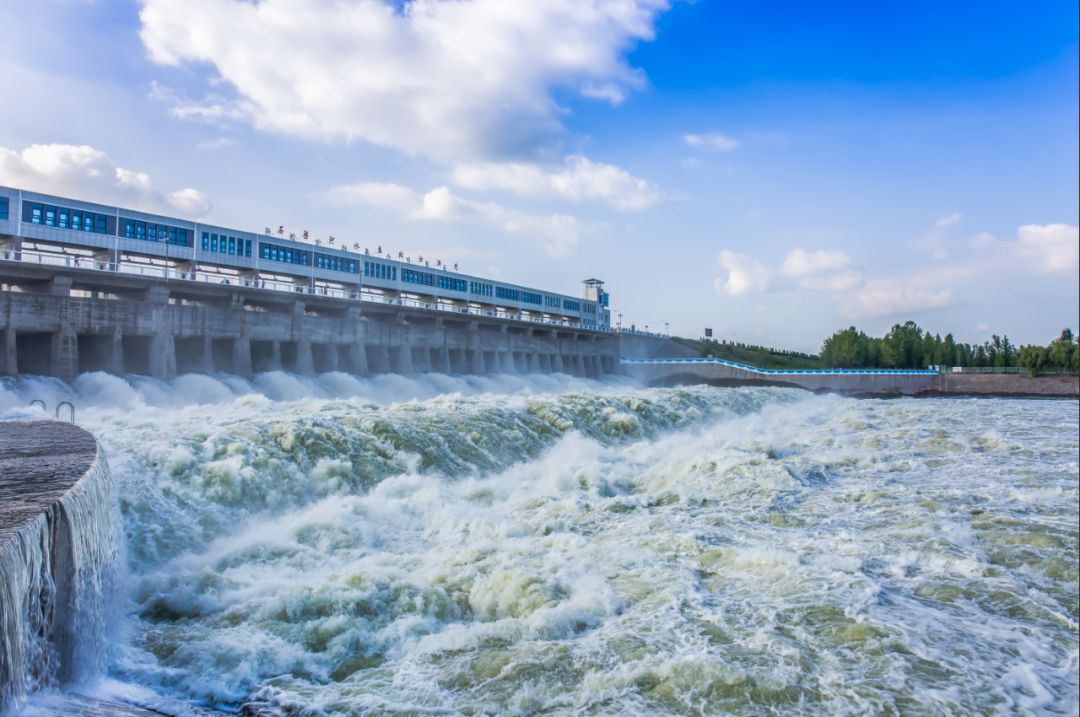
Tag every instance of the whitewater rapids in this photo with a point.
(550, 545)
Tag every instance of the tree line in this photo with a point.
(909, 346)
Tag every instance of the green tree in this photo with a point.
(902, 346)
(1061, 351)
(1033, 358)
(845, 349)
(948, 347)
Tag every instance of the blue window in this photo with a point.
(3, 207)
(64, 218)
(571, 305)
(287, 255)
(452, 284)
(501, 292)
(480, 288)
(530, 298)
(412, 276)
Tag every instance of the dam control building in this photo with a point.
(89, 287)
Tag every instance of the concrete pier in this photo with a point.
(54, 497)
(52, 479)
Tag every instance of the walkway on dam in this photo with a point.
(719, 372)
(784, 371)
(853, 382)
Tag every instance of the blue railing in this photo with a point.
(785, 371)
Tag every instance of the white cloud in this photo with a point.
(948, 221)
(1049, 248)
(744, 275)
(384, 195)
(216, 143)
(578, 179)
(933, 242)
(88, 173)
(452, 81)
(191, 202)
(834, 283)
(821, 270)
(894, 297)
(718, 142)
(559, 232)
(983, 241)
(800, 262)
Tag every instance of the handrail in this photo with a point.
(43, 406)
(71, 406)
(785, 371)
(167, 273)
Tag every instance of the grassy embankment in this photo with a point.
(760, 356)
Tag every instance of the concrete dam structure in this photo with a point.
(65, 323)
(88, 287)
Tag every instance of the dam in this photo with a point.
(89, 287)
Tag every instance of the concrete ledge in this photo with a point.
(997, 384)
(39, 462)
(58, 552)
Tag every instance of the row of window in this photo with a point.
(480, 288)
(286, 254)
(233, 246)
(411, 276)
(334, 262)
(135, 229)
(452, 284)
(380, 271)
(64, 218)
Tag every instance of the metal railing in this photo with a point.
(786, 371)
(171, 274)
(62, 404)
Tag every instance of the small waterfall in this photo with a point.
(56, 574)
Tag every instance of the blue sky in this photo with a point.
(773, 170)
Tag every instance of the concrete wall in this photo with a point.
(996, 384)
(722, 375)
(62, 325)
(639, 346)
(883, 384)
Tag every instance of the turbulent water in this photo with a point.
(547, 545)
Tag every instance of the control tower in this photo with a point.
(594, 292)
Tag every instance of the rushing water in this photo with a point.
(546, 545)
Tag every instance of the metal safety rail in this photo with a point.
(787, 371)
(168, 274)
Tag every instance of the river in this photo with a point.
(549, 545)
